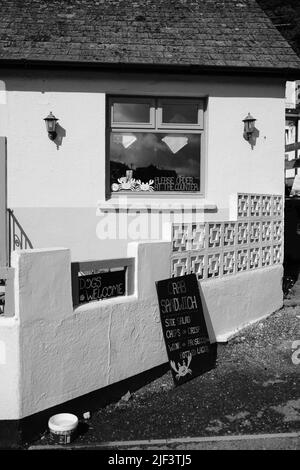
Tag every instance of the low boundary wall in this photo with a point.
(51, 353)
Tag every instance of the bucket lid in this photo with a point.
(63, 422)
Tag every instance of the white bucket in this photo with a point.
(63, 427)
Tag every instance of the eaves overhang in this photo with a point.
(284, 73)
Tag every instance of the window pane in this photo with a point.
(149, 161)
(131, 112)
(184, 113)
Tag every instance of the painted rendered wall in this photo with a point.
(9, 369)
(66, 353)
(233, 166)
(232, 303)
(50, 353)
(290, 95)
(55, 192)
(3, 204)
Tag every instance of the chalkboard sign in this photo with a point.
(101, 286)
(188, 346)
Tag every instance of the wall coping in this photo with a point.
(96, 304)
(158, 205)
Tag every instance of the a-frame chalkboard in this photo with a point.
(188, 346)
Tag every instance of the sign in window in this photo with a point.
(155, 145)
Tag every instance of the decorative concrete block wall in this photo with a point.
(212, 250)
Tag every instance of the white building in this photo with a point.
(147, 97)
(292, 144)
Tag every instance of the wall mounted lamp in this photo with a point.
(248, 126)
(51, 121)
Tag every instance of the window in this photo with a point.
(155, 144)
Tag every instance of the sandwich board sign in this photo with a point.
(184, 328)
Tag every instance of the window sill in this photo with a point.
(153, 204)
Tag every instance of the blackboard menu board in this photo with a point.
(101, 286)
(188, 346)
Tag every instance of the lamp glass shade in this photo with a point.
(50, 121)
(249, 123)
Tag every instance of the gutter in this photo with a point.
(284, 73)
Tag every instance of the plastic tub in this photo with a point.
(63, 427)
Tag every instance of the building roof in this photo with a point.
(205, 34)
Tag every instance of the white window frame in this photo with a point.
(133, 125)
(157, 126)
(181, 126)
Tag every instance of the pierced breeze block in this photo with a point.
(216, 249)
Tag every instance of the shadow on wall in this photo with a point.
(108, 81)
(32, 427)
(61, 134)
(207, 317)
(253, 137)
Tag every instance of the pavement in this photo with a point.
(250, 400)
(280, 441)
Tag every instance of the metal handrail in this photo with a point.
(17, 238)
